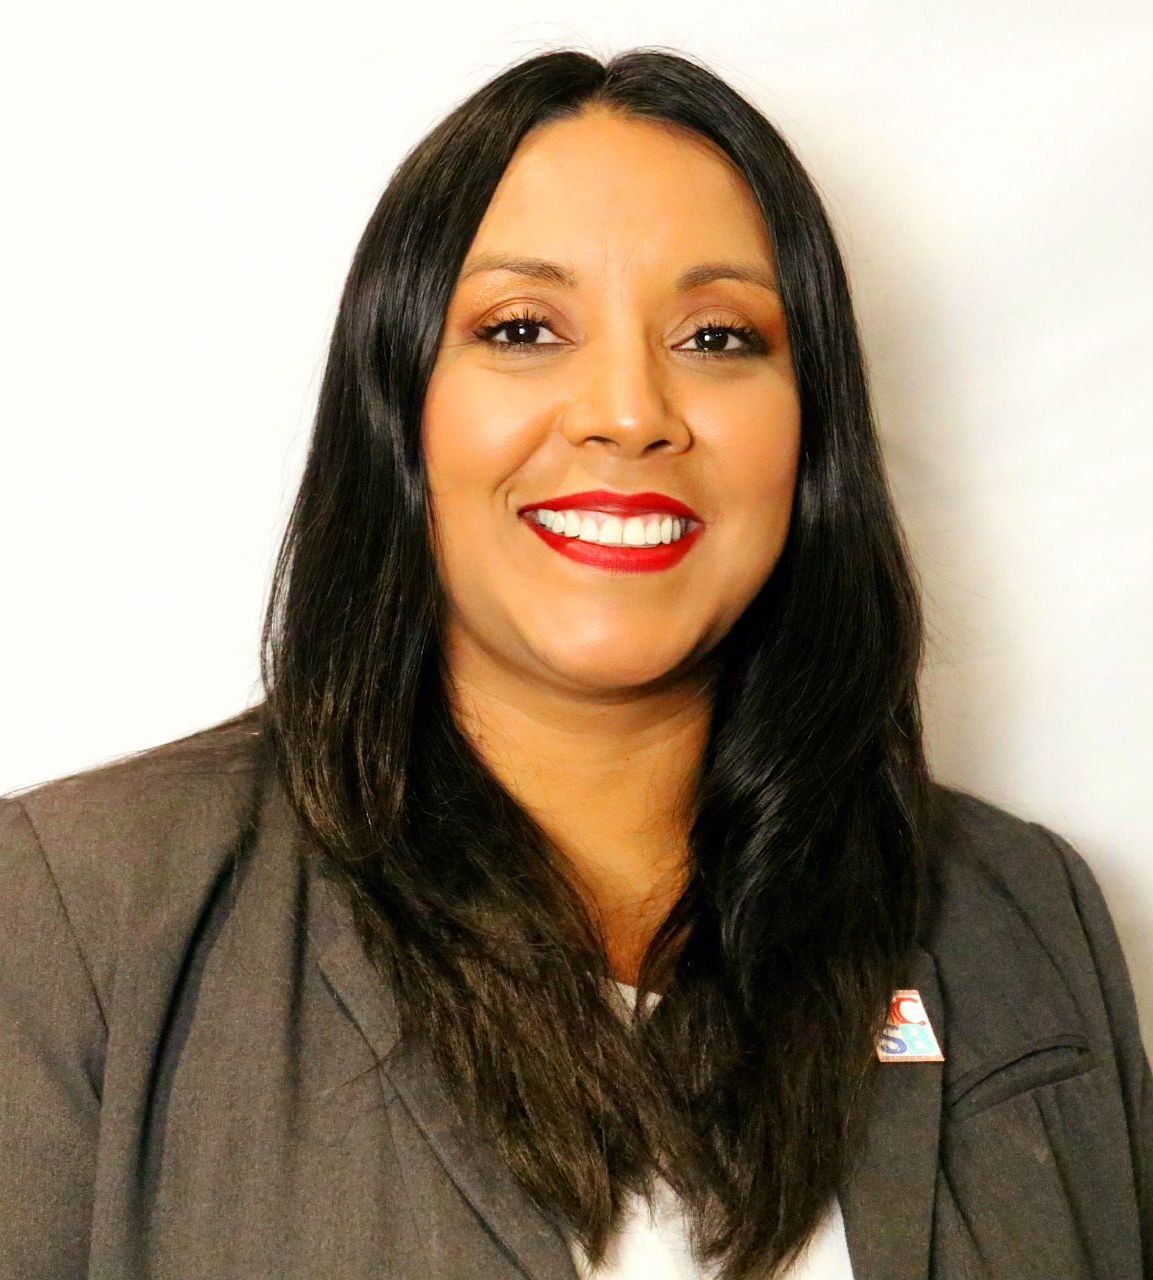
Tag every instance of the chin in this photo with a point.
(604, 672)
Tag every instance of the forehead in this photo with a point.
(611, 187)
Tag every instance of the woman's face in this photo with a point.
(587, 374)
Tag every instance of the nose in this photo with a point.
(622, 400)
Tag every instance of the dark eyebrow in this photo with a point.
(559, 274)
(707, 272)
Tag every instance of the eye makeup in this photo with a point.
(753, 340)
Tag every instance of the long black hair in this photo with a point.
(747, 1085)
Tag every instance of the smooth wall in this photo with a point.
(186, 186)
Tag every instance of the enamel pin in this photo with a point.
(907, 1035)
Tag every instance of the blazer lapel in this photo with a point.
(887, 1203)
(474, 1166)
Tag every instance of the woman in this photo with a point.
(591, 671)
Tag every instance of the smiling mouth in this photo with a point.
(600, 541)
(651, 529)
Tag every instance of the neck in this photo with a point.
(610, 777)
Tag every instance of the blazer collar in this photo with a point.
(887, 1203)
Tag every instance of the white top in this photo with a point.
(652, 1242)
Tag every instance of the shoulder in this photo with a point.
(1025, 949)
(111, 842)
(1002, 878)
(991, 865)
(106, 818)
(232, 746)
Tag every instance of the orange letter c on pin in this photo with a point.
(897, 1012)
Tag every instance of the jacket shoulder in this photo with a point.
(229, 746)
(976, 846)
(1020, 933)
(130, 835)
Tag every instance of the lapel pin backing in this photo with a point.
(907, 1035)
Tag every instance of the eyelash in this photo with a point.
(755, 344)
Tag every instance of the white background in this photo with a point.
(185, 188)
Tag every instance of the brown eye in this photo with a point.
(523, 328)
(715, 341)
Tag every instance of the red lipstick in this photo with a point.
(616, 504)
(621, 559)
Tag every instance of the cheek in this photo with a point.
(476, 438)
(471, 438)
(772, 476)
(758, 453)
(760, 482)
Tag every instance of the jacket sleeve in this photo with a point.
(1121, 1012)
(52, 1038)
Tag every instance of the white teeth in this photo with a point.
(608, 534)
(612, 531)
(634, 532)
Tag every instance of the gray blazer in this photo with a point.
(201, 1077)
